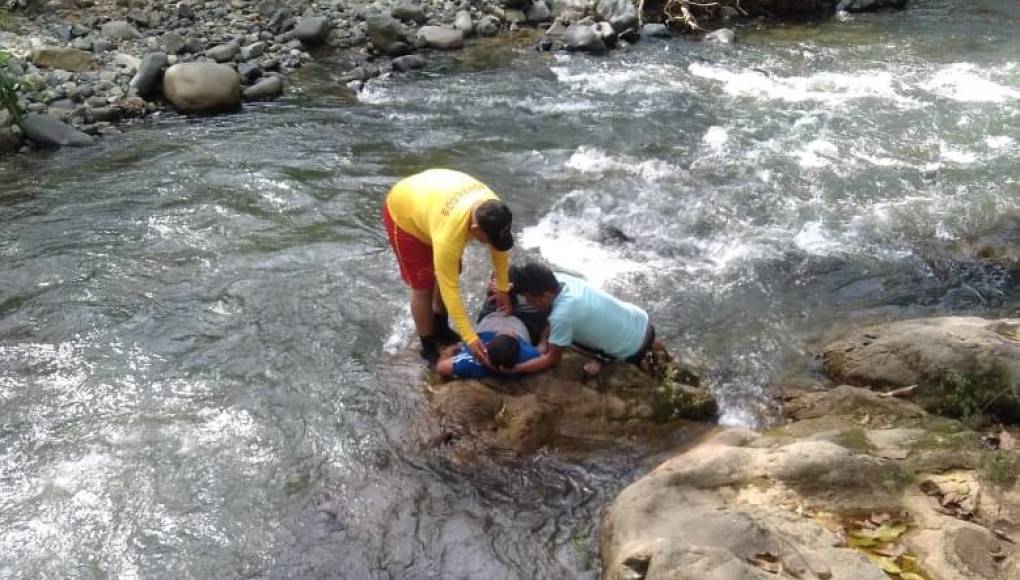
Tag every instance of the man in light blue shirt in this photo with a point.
(583, 316)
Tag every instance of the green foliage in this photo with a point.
(1001, 467)
(9, 88)
(855, 440)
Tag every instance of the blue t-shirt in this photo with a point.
(466, 367)
(587, 316)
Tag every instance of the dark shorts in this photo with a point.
(633, 359)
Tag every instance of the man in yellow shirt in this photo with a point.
(430, 217)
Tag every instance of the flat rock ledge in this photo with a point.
(523, 415)
(856, 486)
(956, 366)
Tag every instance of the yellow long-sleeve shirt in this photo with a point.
(435, 207)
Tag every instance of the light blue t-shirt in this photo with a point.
(587, 316)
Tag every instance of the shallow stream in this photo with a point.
(198, 318)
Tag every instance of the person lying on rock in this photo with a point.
(430, 217)
(509, 340)
(584, 317)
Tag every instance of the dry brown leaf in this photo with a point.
(880, 517)
(767, 562)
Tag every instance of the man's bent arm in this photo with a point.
(548, 360)
(448, 279)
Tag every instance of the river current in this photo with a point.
(198, 319)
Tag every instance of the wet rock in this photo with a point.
(960, 365)
(441, 37)
(539, 12)
(463, 23)
(514, 16)
(184, 10)
(102, 46)
(149, 72)
(408, 63)
(63, 32)
(194, 45)
(583, 38)
(47, 131)
(131, 106)
(605, 32)
(385, 33)
(105, 115)
(69, 59)
(224, 52)
(253, 50)
(143, 18)
(268, 88)
(487, 26)
(870, 5)
(173, 43)
(722, 36)
(409, 12)
(527, 413)
(621, 14)
(119, 30)
(249, 73)
(82, 44)
(312, 30)
(656, 30)
(572, 10)
(202, 87)
(97, 102)
(126, 63)
(10, 139)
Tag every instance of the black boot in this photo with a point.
(442, 331)
(429, 350)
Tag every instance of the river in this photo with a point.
(198, 318)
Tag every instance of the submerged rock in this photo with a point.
(267, 88)
(960, 365)
(202, 87)
(522, 415)
(856, 485)
(722, 36)
(46, 130)
(408, 63)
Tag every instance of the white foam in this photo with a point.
(566, 243)
(815, 238)
(817, 154)
(827, 87)
(591, 160)
(716, 137)
(958, 156)
(965, 83)
(646, 79)
(1000, 142)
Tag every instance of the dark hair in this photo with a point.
(503, 351)
(533, 278)
(495, 219)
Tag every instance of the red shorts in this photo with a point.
(413, 255)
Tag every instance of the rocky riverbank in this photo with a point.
(84, 67)
(856, 483)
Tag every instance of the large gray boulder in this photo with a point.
(147, 78)
(583, 38)
(960, 365)
(386, 33)
(197, 87)
(312, 30)
(69, 59)
(119, 30)
(441, 37)
(46, 130)
(621, 14)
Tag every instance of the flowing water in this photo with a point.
(198, 318)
